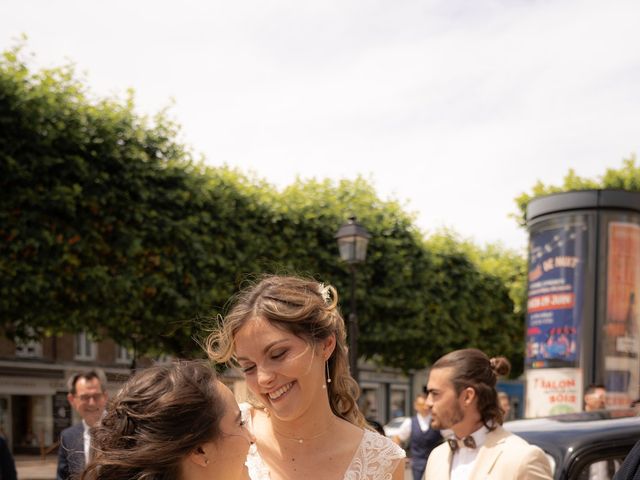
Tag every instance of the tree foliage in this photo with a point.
(627, 177)
(506, 271)
(108, 225)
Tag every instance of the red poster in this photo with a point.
(622, 364)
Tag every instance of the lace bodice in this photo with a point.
(375, 459)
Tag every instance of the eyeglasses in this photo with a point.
(87, 397)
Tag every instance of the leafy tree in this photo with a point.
(98, 208)
(626, 177)
(107, 224)
(391, 294)
(415, 301)
(495, 275)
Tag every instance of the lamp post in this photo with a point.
(353, 239)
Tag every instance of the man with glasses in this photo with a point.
(87, 397)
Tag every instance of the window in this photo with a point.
(123, 355)
(85, 347)
(601, 470)
(600, 463)
(28, 348)
(163, 359)
(399, 400)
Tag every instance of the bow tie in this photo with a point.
(455, 444)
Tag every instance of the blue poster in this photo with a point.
(556, 287)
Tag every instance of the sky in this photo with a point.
(452, 107)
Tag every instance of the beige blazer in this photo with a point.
(503, 456)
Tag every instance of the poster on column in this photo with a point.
(620, 336)
(556, 288)
(552, 391)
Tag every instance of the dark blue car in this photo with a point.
(582, 446)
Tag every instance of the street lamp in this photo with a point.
(353, 239)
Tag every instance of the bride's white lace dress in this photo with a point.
(375, 459)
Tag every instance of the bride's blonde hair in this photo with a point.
(305, 308)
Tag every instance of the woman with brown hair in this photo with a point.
(173, 422)
(288, 337)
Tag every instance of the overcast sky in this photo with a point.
(454, 107)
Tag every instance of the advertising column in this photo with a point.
(557, 256)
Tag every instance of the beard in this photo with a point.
(447, 418)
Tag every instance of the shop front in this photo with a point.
(385, 393)
(27, 406)
(33, 403)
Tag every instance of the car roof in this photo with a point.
(563, 436)
(582, 422)
(578, 428)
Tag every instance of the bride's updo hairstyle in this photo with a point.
(305, 308)
(161, 415)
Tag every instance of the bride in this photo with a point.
(287, 336)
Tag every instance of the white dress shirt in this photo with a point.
(86, 441)
(404, 432)
(464, 457)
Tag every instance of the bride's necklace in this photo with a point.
(300, 440)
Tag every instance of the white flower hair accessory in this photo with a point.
(324, 292)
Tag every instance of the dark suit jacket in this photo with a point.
(630, 469)
(7, 465)
(71, 453)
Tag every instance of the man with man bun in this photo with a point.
(463, 398)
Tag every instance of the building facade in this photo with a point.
(386, 393)
(33, 385)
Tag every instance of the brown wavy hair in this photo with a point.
(473, 368)
(305, 308)
(161, 415)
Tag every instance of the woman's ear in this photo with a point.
(199, 457)
(328, 346)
